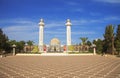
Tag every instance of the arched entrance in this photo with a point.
(55, 45)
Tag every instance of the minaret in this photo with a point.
(68, 31)
(41, 35)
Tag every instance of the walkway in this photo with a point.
(59, 67)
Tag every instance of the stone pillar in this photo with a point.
(14, 46)
(94, 51)
(13, 51)
(68, 33)
(41, 35)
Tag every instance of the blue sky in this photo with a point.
(19, 18)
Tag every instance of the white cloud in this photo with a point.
(28, 30)
(112, 18)
(84, 33)
(86, 21)
(71, 3)
(95, 13)
(74, 6)
(17, 21)
(54, 32)
(21, 30)
(92, 21)
(54, 24)
(109, 1)
(76, 10)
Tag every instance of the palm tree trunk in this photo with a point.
(112, 45)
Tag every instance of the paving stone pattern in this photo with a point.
(59, 67)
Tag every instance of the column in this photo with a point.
(41, 35)
(14, 46)
(94, 51)
(68, 33)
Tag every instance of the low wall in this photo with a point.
(54, 54)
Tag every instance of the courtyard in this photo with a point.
(93, 66)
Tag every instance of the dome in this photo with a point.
(55, 41)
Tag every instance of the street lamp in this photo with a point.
(94, 49)
(14, 46)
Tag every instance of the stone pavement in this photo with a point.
(59, 67)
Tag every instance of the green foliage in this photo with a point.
(79, 52)
(30, 43)
(89, 43)
(35, 49)
(83, 39)
(117, 40)
(11, 42)
(99, 45)
(3, 41)
(108, 43)
(71, 48)
(19, 45)
(74, 53)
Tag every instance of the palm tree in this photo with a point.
(30, 43)
(83, 39)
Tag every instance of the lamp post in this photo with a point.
(94, 49)
(14, 46)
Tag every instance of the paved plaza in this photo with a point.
(59, 67)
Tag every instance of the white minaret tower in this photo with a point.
(41, 35)
(68, 31)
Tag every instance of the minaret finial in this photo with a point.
(41, 22)
(68, 22)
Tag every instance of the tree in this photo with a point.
(20, 46)
(117, 40)
(30, 43)
(83, 39)
(83, 44)
(89, 43)
(99, 45)
(11, 42)
(108, 42)
(3, 41)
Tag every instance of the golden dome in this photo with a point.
(55, 41)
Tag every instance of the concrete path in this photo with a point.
(59, 67)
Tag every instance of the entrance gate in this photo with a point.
(55, 45)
